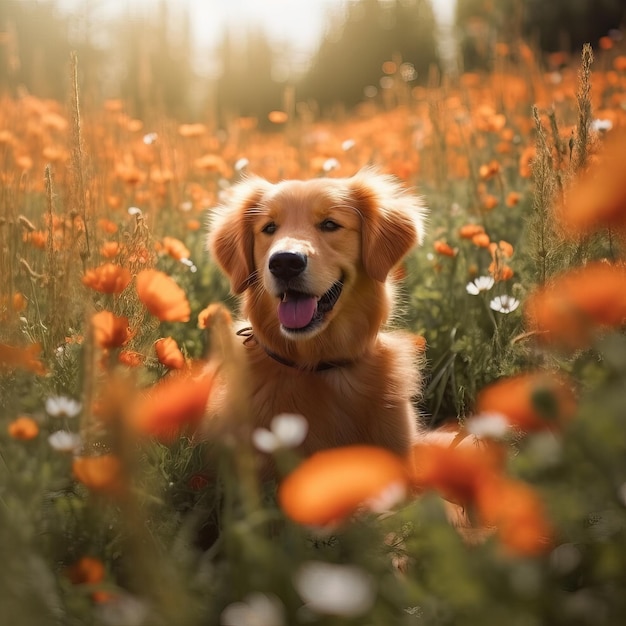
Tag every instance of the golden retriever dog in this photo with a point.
(313, 262)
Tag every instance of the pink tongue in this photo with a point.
(296, 312)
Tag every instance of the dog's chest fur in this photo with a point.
(369, 401)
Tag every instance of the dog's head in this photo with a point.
(309, 253)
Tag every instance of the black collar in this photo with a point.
(319, 367)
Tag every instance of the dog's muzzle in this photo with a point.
(299, 311)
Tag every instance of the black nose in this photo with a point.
(286, 265)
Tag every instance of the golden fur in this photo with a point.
(353, 381)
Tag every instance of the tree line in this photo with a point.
(371, 47)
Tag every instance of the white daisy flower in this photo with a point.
(62, 406)
(134, 210)
(286, 430)
(150, 138)
(504, 304)
(330, 165)
(490, 425)
(348, 144)
(480, 284)
(256, 609)
(600, 125)
(65, 441)
(329, 589)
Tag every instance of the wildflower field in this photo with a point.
(111, 513)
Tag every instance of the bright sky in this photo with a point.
(300, 23)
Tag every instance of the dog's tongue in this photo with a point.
(296, 310)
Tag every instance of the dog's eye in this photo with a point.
(329, 226)
(269, 228)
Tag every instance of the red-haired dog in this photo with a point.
(313, 263)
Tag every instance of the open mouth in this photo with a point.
(299, 312)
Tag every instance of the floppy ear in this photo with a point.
(392, 221)
(231, 239)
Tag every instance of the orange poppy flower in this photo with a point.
(577, 304)
(192, 130)
(107, 226)
(169, 353)
(481, 240)
(455, 471)
(526, 160)
(175, 248)
(211, 163)
(517, 513)
(597, 198)
(490, 202)
(177, 401)
(86, 571)
(444, 249)
(500, 271)
(26, 358)
(130, 358)
(100, 474)
(530, 401)
(23, 428)
(37, 238)
(513, 198)
(162, 296)
(110, 331)
(619, 63)
(489, 170)
(468, 231)
(107, 278)
(110, 249)
(332, 484)
(277, 117)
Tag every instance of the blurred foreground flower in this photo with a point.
(332, 589)
(100, 474)
(597, 198)
(23, 428)
(518, 515)
(286, 431)
(471, 474)
(530, 401)
(162, 296)
(107, 278)
(457, 472)
(332, 484)
(177, 401)
(578, 303)
(64, 441)
(256, 609)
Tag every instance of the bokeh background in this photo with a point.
(194, 60)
